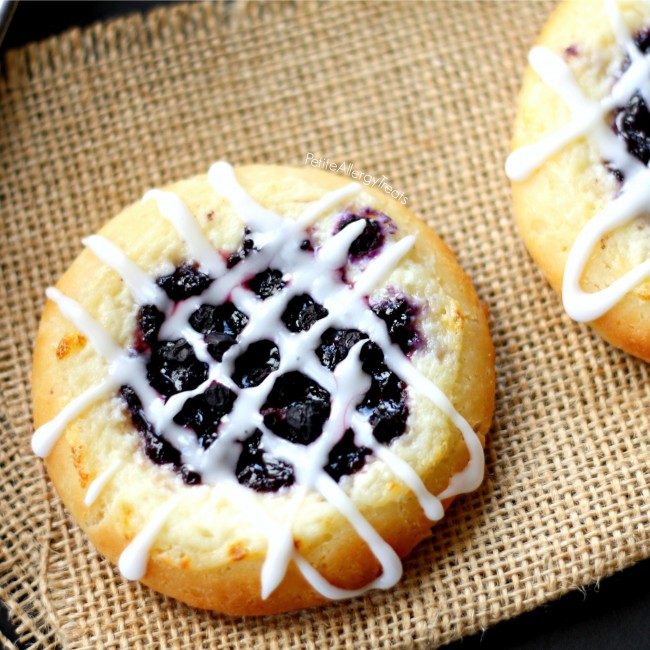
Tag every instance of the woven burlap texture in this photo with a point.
(421, 93)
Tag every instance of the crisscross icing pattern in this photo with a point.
(591, 118)
(279, 250)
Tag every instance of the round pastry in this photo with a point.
(581, 185)
(256, 389)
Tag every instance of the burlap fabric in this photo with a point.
(421, 93)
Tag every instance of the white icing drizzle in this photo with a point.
(123, 368)
(278, 245)
(46, 436)
(171, 207)
(99, 338)
(472, 475)
(327, 203)
(381, 266)
(222, 178)
(389, 560)
(401, 469)
(141, 286)
(581, 305)
(351, 384)
(96, 487)
(281, 549)
(589, 119)
(133, 560)
(621, 32)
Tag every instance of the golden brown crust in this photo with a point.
(202, 559)
(554, 203)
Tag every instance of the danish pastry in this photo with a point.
(255, 390)
(581, 185)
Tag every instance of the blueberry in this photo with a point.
(149, 321)
(642, 40)
(221, 325)
(385, 402)
(134, 406)
(370, 239)
(296, 408)
(345, 457)
(632, 122)
(222, 319)
(184, 282)
(156, 447)
(335, 345)
(399, 315)
(266, 283)
(259, 470)
(616, 173)
(173, 367)
(256, 363)
(246, 248)
(203, 412)
(302, 312)
(189, 476)
(219, 344)
(373, 235)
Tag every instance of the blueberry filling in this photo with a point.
(203, 412)
(156, 447)
(335, 345)
(184, 282)
(616, 173)
(642, 39)
(221, 326)
(247, 247)
(173, 367)
(346, 458)
(400, 315)
(149, 322)
(256, 363)
(259, 470)
(296, 407)
(224, 319)
(373, 236)
(385, 402)
(571, 51)
(632, 121)
(302, 312)
(266, 283)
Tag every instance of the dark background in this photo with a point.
(613, 614)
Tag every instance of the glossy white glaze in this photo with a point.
(96, 487)
(144, 290)
(133, 560)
